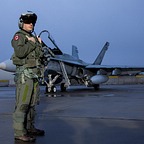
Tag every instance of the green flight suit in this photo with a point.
(26, 57)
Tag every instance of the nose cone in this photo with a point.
(8, 66)
(2, 66)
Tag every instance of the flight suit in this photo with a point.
(27, 58)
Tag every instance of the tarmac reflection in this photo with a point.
(113, 115)
(21, 142)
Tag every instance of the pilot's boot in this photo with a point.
(36, 132)
(31, 130)
(25, 138)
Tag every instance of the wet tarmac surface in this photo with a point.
(112, 115)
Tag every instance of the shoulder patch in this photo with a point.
(16, 37)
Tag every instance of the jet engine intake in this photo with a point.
(80, 72)
(98, 79)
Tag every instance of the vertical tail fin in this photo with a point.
(75, 52)
(100, 57)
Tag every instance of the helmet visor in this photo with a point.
(27, 19)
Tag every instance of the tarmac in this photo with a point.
(112, 115)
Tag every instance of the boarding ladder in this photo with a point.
(67, 81)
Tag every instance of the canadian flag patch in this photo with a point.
(16, 37)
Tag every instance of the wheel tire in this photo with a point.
(63, 88)
(47, 89)
(53, 89)
(96, 86)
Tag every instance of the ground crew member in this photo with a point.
(26, 57)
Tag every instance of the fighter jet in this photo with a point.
(66, 70)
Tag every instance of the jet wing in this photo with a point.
(115, 69)
(114, 66)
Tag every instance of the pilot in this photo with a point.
(26, 57)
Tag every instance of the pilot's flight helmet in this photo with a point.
(27, 18)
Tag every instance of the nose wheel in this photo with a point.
(52, 89)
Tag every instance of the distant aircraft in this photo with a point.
(65, 69)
